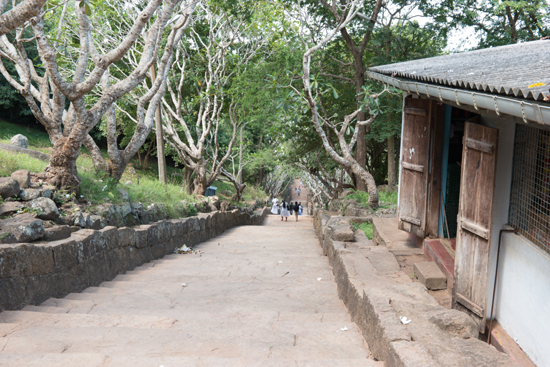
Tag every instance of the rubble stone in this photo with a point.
(24, 227)
(23, 177)
(9, 188)
(46, 206)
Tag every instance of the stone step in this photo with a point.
(53, 360)
(29, 319)
(100, 360)
(213, 348)
(184, 337)
(188, 303)
(46, 309)
(430, 275)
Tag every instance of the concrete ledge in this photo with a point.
(32, 273)
(376, 293)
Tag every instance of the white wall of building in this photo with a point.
(523, 296)
(522, 303)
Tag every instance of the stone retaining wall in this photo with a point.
(32, 273)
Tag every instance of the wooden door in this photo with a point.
(473, 242)
(415, 155)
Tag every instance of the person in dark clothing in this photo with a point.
(296, 208)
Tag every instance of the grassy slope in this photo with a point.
(97, 188)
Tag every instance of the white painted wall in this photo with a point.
(523, 296)
(522, 303)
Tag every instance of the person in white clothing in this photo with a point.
(275, 207)
(284, 211)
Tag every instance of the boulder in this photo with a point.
(46, 206)
(10, 208)
(30, 194)
(56, 233)
(9, 188)
(20, 141)
(23, 177)
(24, 227)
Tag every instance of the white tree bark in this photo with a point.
(20, 13)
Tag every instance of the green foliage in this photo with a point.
(365, 227)
(496, 22)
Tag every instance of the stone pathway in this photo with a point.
(254, 296)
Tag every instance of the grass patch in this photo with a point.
(38, 139)
(386, 199)
(365, 227)
(11, 162)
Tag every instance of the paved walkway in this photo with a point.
(255, 296)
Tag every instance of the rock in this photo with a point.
(47, 207)
(74, 228)
(128, 183)
(344, 233)
(20, 141)
(46, 193)
(56, 233)
(430, 275)
(9, 188)
(30, 194)
(10, 208)
(124, 194)
(79, 220)
(23, 177)
(24, 227)
(95, 222)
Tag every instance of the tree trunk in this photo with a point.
(161, 159)
(200, 178)
(188, 179)
(240, 175)
(361, 145)
(62, 172)
(95, 152)
(392, 169)
(239, 188)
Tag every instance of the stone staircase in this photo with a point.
(252, 297)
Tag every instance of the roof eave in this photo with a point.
(527, 111)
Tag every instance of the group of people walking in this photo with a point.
(286, 209)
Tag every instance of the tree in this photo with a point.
(221, 42)
(19, 13)
(496, 22)
(312, 89)
(61, 105)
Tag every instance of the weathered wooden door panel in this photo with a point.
(413, 188)
(473, 241)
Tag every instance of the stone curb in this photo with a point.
(375, 300)
(32, 273)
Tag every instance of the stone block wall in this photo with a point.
(32, 273)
